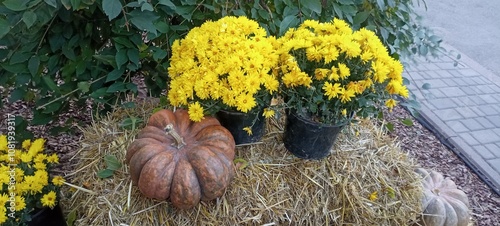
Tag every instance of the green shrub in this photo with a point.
(54, 52)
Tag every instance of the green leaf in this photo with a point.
(4, 27)
(52, 3)
(16, 5)
(167, 3)
(112, 162)
(115, 74)
(121, 58)
(17, 94)
(33, 65)
(51, 108)
(71, 218)
(40, 119)
(185, 11)
(389, 126)
(314, 5)
(129, 104)
(130, 123)
(361, 17)
(159, 54)
(423, 50)
(84, 86)
(144, 20)
(66, 4)
(112, 8)
(29, 18)
(19, 57)
(76, 3)
(133, 56)
(146, 7)
(105, 173)
(288, 22)
(107, 59)
(53, 86)
(426, 86)
(116, 87)
(407, 122)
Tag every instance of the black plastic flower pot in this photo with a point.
(48, 216)
(236, 121)
(308, 139)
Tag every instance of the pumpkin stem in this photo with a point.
(169, 129)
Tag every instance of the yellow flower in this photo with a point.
(3, 215)
(40, 166)
(344, 112)
(26, 157)
(49, 199)
(321, 73)
(4, 179)
(245, 102)
(221, 64)
(195, 111)
(36, 146)
(268, 113)
(26, 144)
(332, 91)
(40, 158)
(53, 158)
(346, 95)
(391, 103)
(4, 198)
(20, 203)
(404, 92)
(58, 180)
(3, 143)
(248, 130)
(373, 196)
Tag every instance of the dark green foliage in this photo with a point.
(56, 51)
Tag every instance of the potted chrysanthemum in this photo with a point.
(224, 67)
(29, 193)
(328, 73)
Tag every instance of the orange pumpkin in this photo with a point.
(443, 203)
(181, 160)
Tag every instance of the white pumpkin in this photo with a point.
(443, 204)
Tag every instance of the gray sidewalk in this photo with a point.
(463, 105)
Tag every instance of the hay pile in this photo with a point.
(366, 181)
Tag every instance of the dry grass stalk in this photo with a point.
(274, 188)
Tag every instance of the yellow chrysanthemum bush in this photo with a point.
(223, 65)
(328, 72)
(25, 181)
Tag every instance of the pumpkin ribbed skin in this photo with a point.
(443, 203)
(199, 169)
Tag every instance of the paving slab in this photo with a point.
(463, 106)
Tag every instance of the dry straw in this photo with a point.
(366, 180)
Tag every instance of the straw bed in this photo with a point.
(367, 180)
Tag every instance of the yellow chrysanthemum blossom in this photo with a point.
(4, 198)
(49, 199)
(26, 144)
(3, 215)
(248, 130)
(58, 180)
(222, 61)
(195, 112)
(332, 90)
(4, 143)
(391, 103)
(268, 113)
(20, 203)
